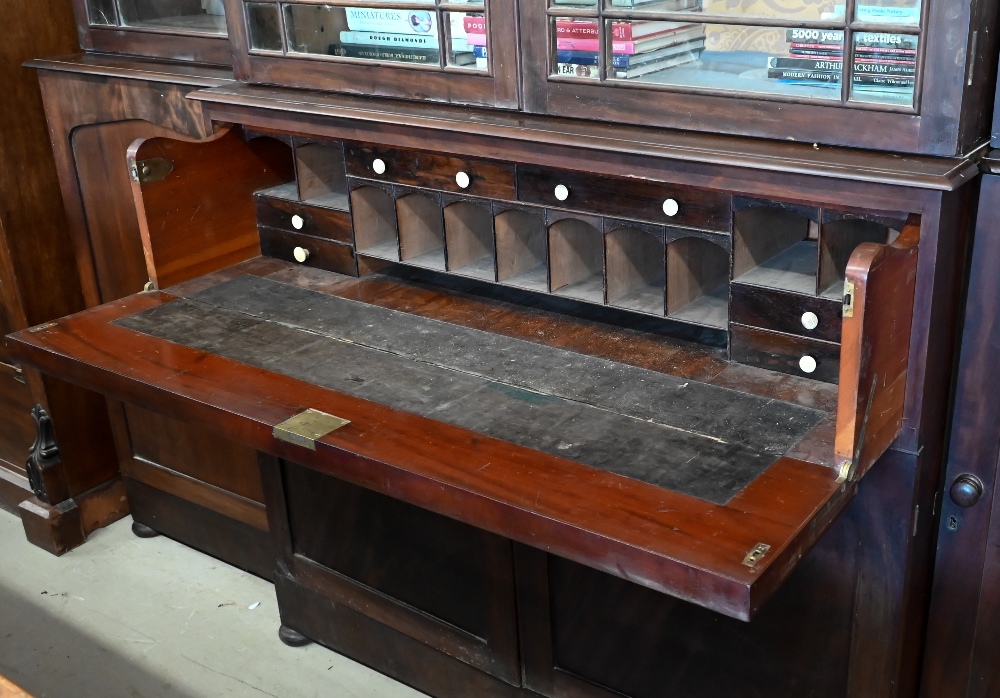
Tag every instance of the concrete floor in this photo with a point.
(122, 616)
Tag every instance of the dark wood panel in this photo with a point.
(625, 198)
(227, 539)
(316, 221)
(17, 429)
(323, 253)
(194, 451)
(440, 581)
(782, 352)
(782, 312)
(426, 169)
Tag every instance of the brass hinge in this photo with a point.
(151, 170)
(149, 287)
(756, 553)
(844, 471)
(848, 299)
(304, 428)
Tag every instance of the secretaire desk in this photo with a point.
(524, 404)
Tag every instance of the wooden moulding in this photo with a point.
(698, 282)
(875, 350)
(320, 174)
(636, 269)
(576, 259)
(468, 229)
(772, 247)
(421, 230)
(201, 215)
(373, 213)
(522, 249)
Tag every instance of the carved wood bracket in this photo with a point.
(44, 453)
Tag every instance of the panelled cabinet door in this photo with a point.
(456, 52)
(772, 68)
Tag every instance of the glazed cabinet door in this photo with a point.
(774, 69)
(456, 52)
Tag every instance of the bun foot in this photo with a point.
(143, 531)
(292, 638)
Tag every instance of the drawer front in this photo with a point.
(280, 214)
(323, 254)
(650, 201)
(786, 312)
(785, 353)
(416, 168)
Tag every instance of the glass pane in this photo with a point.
(467, 40)
(802, 10)
(885, 68)
(263, 26)
(767, 60)
(578, 52)
(888, 11)
(102, 12)
(378, 34)
(201, 16)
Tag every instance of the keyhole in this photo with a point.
(952, 523)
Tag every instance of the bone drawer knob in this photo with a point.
(561, 192)
(462, 179)
(807, 364)
(670, 207)
(378, 164)
(810, 320)
(297, 222)
(301, 254)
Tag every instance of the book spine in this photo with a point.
(860, 66)
(475, 25)
(815, 36)
(391, 21)
(811, 75)
(475, 39)
(883, 80)
(624, 47)
(479, 51)
(574, 29)
(385, 53)
(384, 39)
(591, 58)
(883, 40)
(577, 70)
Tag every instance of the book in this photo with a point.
(672, 61)
(474, 24)
(387, 53)
(693, 31)
(860, 66)
(626, 61)
(624, 31)
(391, 21)
(370, 38)
(861, 39)
(792, 74)
(661, 5)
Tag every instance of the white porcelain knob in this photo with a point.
(301, 254)
(561, 192)
(462, 179)
(297, 222)
(378, 164)
(807, 364)
(810, 321)
(670, 207)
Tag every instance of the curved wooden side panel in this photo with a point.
(875, 349)
(199, 216)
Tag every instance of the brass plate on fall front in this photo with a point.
(304, 428)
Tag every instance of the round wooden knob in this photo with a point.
(301, 254)
(671, 207)
(966, 490)
(807, 364)
(810, 320)
(378, 164)
(298, 222)
(462, 179)
(561, 192)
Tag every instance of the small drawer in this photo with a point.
(295, 217)
(808, 358)
(625, 198)
(318, 253)
(792, 313)
(494, 180)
